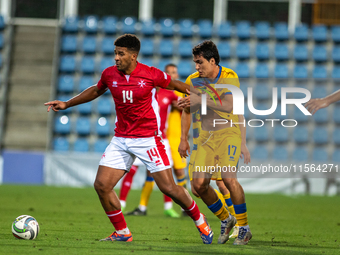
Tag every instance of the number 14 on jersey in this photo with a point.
(127, 96)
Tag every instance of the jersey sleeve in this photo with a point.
(102, 83)
(160, 78)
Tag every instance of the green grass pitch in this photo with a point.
(72, 221)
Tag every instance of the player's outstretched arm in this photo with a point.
(315, 104)
(244, 149)
(184, 147)
(87, 95)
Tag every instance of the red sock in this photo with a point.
(167, 199)
(126, 183)
(117, 219)
(193, 211)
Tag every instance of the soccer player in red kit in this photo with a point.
(137, 134)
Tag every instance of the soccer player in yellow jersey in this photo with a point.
(217, 145)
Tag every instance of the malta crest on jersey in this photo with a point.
(141, 83)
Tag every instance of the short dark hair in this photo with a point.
(207, 49)
(131, 42)
(169, 65)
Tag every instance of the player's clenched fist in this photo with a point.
(56, 105)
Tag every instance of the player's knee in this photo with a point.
(194, 192)
(200, 188)
(231, 183)
(168, 190)
(100, 187)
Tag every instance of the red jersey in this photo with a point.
(135, 99)
(165, 98)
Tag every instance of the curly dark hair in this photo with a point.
(207, 49)
(131, 42)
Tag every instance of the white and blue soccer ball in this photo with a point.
(25, 227)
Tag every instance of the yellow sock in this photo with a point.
(241, 214)
(146, 191)
(220, 196)
(219, 210)
(230, 205)
(182, 181)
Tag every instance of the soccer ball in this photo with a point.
(25, 227)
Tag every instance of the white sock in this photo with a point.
(200, 221)
(142, 208)
(167, 205)
(224, 222)
(124, 231)
(122, 203)
(246, 227)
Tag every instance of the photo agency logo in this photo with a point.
(238, 104)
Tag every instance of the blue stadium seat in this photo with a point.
(301, 33)
(261, 107)
(336, 115)
(335, 30)
(167, 27)
(185, 27)
(262, 71)
(300, 154)
(262, 51)
(260, 152)
(261, 133)
(62, 125)
(65, 98)
(81, 145)
(185, 68)
(322, 116)
(146, 61)
(300, 71)
(243, 29)
(281, 51)
(242, 70)
(85, 82)
(243, 50)
(61, 144)
(162, 63)
(301, 52)
(336, 136)
(336, 54)
(319, 33)
(85, 109)
(244, 88)
(262, 91)
(301, 134)
(300, 116)
(224, 30)
(225, 64)
(147, 47)
(91, 24)
(185, 48)
(320, 72)
(83, 126)
(87, 65)
(104, 63)
(89, 45)
(262, 30)
(100, 145)
(103, 127)
(281, 31)
(320, 154)
(320, 135)
(109, 24)
(336, 73)
(319, 92)
(281, 71)
(336, 155)
(320, 53)
(166, 48)
(69, 44)
(66, 84)
(205, 28)
(2, 23)
(105, 106)
(2, 41)
(107, 45)
(224, 49)
(280, 153)
(67, 64)
(148, 27)
(129, 25)
(71, 24)
(281, 134)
